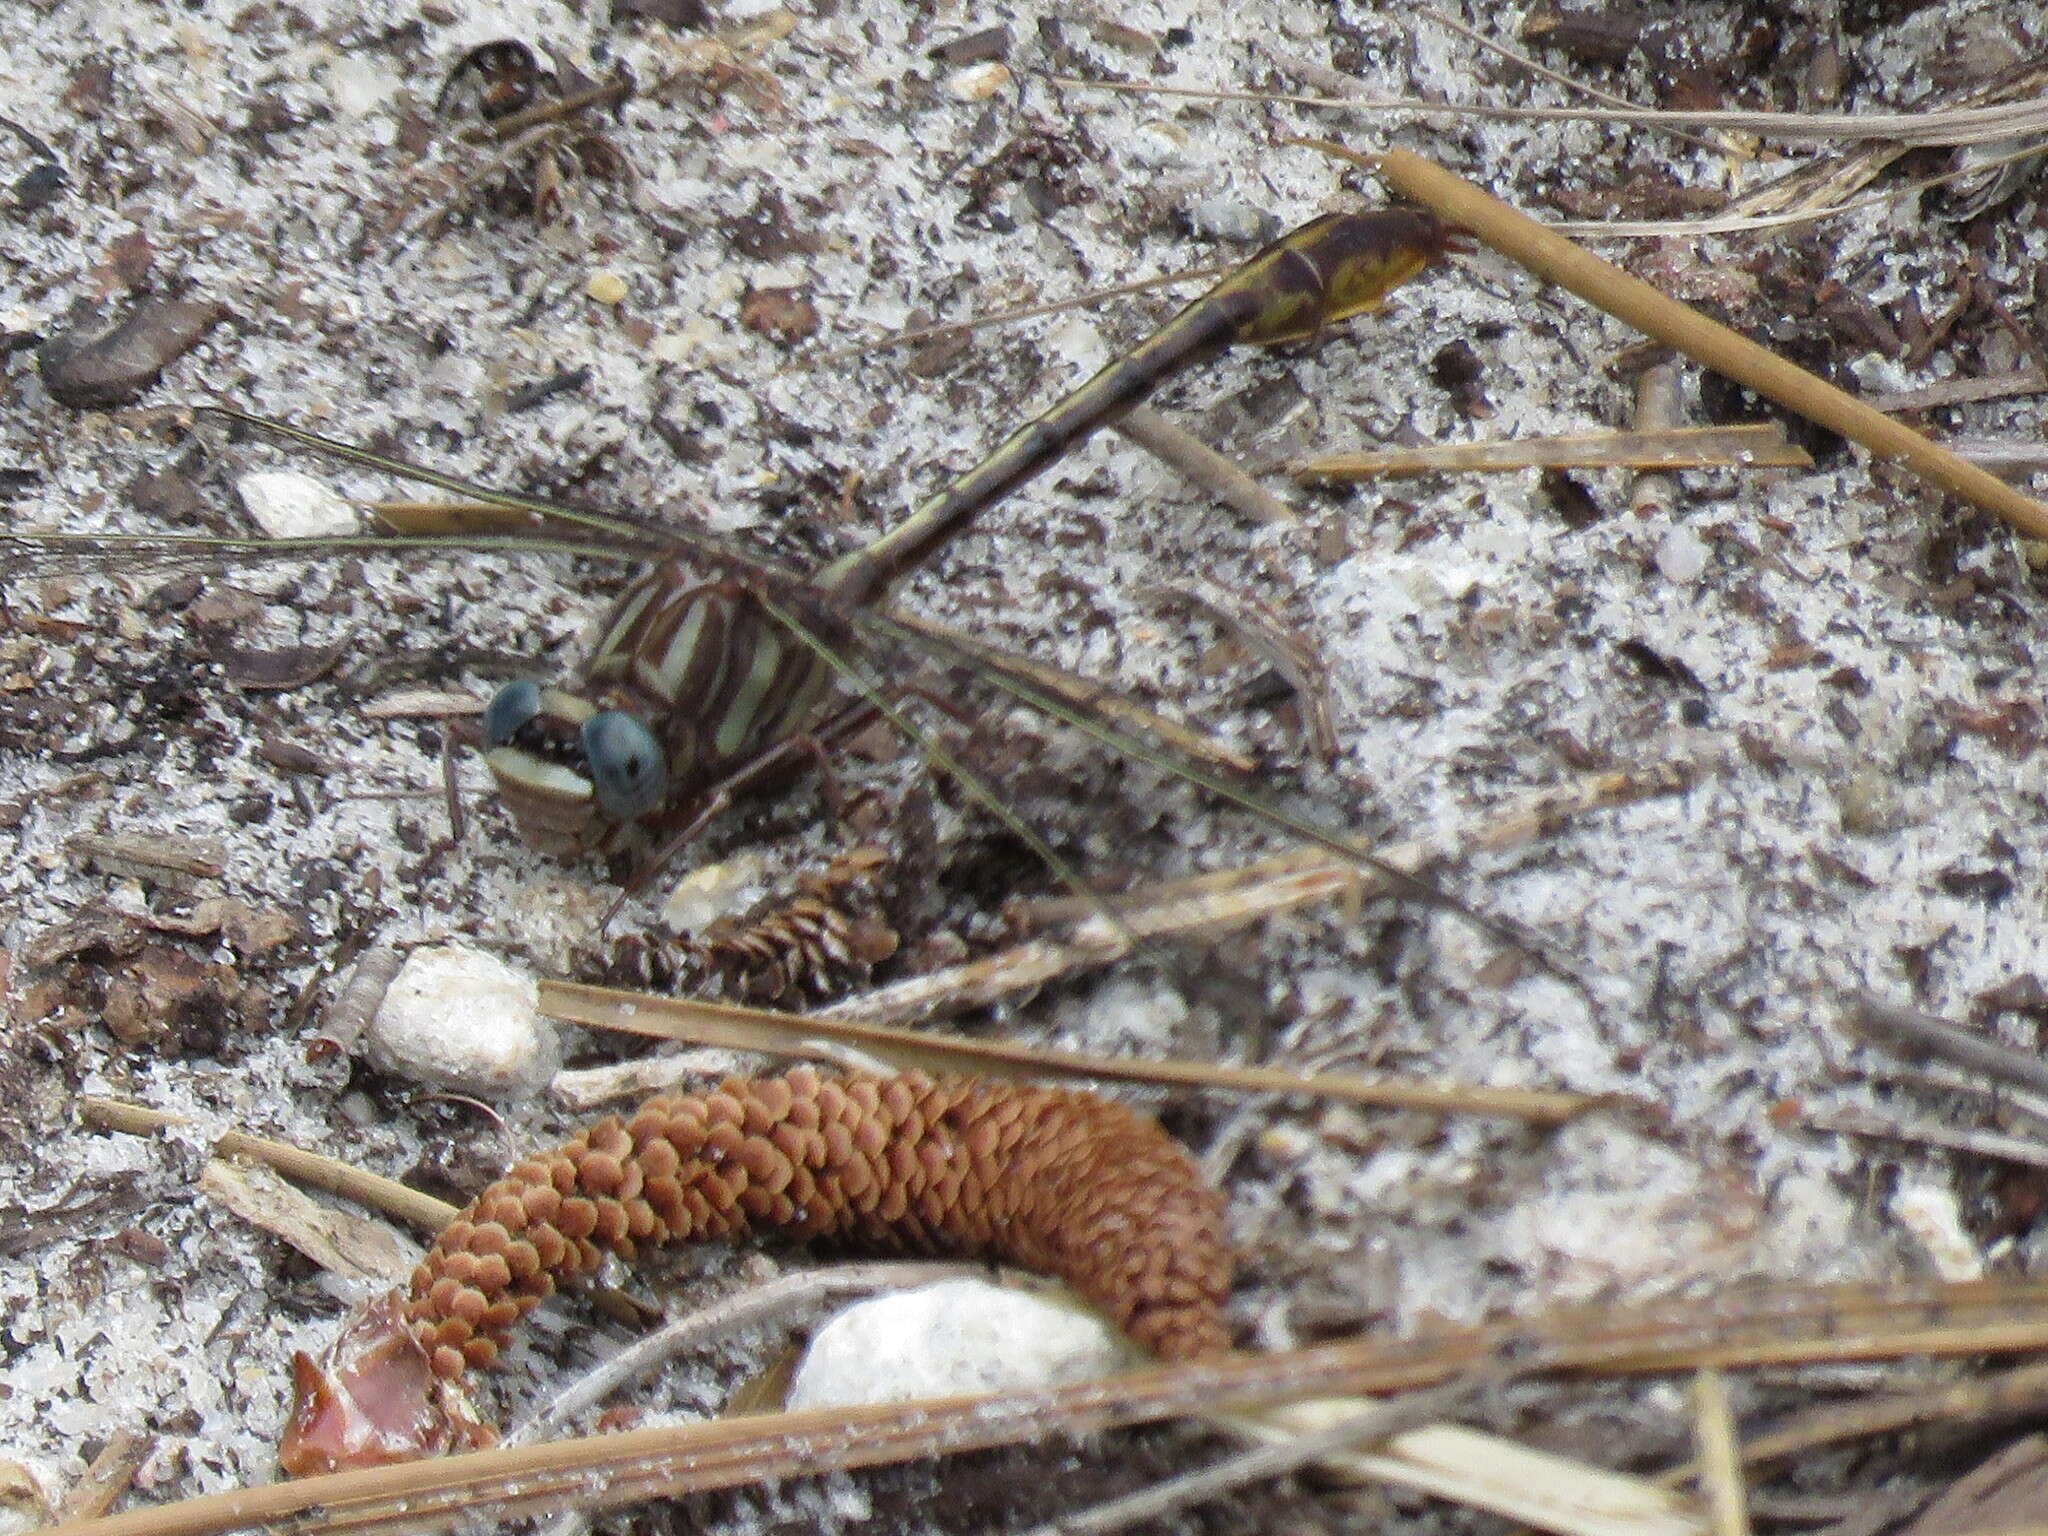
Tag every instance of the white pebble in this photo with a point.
(358, 85)
(1286, 1143)
(978, 82)
(1230, 218)
(1681, 556)
(460, 1019)
(1932, 1218)
(289, 505)
(1876, 374)
(1156, 143)
(709, 892)
(957, 1336)
(455, 373)
(1135, 1015)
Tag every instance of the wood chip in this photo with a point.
(1762, 446)
(94, 371)
(351, 1246)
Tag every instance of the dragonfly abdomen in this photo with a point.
(1330, 269)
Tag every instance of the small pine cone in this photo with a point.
(829, 935)
(857, 874)
(1062, 1182)
(809, 946)
(645, 963)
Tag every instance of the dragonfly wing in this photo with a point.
(179, 551)
(1084, 695)
(1119, 736)
(484, 519)
(492, 518)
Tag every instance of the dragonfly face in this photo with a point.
(571, 774)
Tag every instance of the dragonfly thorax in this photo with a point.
(570, 772)
(690, 682)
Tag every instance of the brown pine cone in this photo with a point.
(1058, 1181)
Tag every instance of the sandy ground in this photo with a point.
(1851, 657)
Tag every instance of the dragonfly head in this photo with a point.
(570, 772)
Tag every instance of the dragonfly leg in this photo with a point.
(705, 810)
(952, 709)
(817, 745)
(451, 789)
(810, 745)
(758, 773)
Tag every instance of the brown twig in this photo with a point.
(1773, 1325)
(1370, 1426)
(1538, 815)
(2003, 456)
(2016, 1393)
(153, 854)
(1919, 1036)
(1924, 1133)
(1531, 1488)
(513, 124)
(1943, 126)
(811, 1035)
(356, 1001)
(1712, 345)
(2021, 1109)
(1829, 181)
(1236, 899)
(1730, 221)
(1209, 470)
(337, 1178)
(1713, 1429)
(1930, 397)
(1657, 409)
(110, 1475)
(1761, 446)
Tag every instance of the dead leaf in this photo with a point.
(781, 314)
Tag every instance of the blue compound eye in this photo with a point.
(626, 767)
(510, 708)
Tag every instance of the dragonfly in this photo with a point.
(711, 674)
